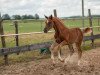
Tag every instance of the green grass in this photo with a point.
(28, 39)
(24, 27)
(38, 25)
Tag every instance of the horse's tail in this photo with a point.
(87, 31)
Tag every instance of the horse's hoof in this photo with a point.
(53, 64)
(79, 63)
(63, 60)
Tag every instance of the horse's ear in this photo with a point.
(51, 17)
(46, 17)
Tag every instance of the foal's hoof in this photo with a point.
(62, 60)
(53, 64)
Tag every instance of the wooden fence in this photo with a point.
(6, 51)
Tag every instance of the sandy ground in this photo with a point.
(90, 65)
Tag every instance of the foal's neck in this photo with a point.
(59, 26)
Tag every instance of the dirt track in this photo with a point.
(90, 66)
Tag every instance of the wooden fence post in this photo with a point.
(16, 32)
(41, 26)
(98, 24)
(90, 21)
(55, 13)
(3, 41)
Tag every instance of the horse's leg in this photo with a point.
(58, 47)
(59, 56)
(52, 57)
(52, 51)
(71, 52)
(78, 45)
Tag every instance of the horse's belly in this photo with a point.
(73, 38)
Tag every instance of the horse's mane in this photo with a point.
(59, 21)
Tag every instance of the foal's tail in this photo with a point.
(87, 31)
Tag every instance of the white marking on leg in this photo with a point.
(79, 62)
(52, 57)
(59, 56)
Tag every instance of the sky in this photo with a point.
(64, 8)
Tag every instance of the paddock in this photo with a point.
(90, 66)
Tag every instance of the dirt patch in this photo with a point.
(90, 65)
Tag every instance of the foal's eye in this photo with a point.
(49, 23)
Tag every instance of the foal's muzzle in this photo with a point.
(45, 30)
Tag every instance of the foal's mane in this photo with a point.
(60, 22)
(59, 25)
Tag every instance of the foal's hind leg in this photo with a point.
(59, 56)
(71, 52)
(78, 45)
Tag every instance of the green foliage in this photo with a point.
(6, 17)
(36, 16)
(27, 17)
(16, 17)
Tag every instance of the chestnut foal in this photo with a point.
(64, 36)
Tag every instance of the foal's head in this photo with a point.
(49, 23)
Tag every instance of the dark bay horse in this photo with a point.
(64, 36)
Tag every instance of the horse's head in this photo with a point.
(49, 23)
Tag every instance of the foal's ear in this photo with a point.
(51, 17)
(46, 17)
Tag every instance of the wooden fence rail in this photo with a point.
(5, 51)
(8, 35)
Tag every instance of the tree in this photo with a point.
(16, 17)
(36, 16)
(24, 17)
(6, 17)
(30, 16)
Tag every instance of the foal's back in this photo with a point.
(75, 35)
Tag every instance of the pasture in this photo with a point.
(38, 25)
(26, 26)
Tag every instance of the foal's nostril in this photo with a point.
(45, 30)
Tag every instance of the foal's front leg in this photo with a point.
(58, 47)
(59, 56)
(52, 51)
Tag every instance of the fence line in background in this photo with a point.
(8, 35)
